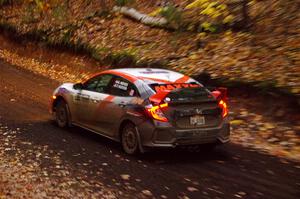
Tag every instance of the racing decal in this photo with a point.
(81, 97)
(63, 90)
(149, 71)
(155, 79)
(182, 79)
(170, 87)
(159, 96)
(131, 92)
(137, 100)
(109, 98)
(121, 85)
(129, 77)
(105, 102)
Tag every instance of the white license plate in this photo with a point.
(197, 120)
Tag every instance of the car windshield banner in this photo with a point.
(170, 87)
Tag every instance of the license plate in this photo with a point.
(197, 120)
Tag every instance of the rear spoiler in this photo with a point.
(220, 93)
(159, 96)
(217, 94)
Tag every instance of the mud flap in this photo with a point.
(139, 141)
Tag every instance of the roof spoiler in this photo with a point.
(159, 96)
(220, 93)
(217, 94)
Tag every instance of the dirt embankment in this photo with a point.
(267, 56)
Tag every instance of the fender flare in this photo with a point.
(60, 97)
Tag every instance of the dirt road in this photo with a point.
(229, 172)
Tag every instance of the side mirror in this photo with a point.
(78, 86)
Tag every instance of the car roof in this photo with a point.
(155, 75)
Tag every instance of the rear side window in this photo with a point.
(122, 87)
(98, 83)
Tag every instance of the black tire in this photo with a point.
(129, 139)
(61, 114)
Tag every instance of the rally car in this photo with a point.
(144, 108)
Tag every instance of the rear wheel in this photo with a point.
(61, 114)
(129, 139)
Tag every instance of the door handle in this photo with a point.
(86, 98)
(83, 96)
(122, 104)
(95, 100)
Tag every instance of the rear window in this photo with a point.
(173, 86)
(192, 95)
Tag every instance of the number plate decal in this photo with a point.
(197, 120)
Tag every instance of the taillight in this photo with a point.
(156, 113)
(224, 108)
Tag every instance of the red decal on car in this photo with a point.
(182, 79)
(170, 87)
(185, 85)
(129, 77)
(109, 98)
(159, 96)
(194, 85)
(160, 88)
(177, 85)
(105, 101)
(155, 79)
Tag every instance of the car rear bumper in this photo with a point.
(171, 137)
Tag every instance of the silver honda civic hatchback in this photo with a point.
(144, 108)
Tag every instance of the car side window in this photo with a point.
(98, 83)
(122, 87)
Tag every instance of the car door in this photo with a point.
(93, 92)
(113, 107)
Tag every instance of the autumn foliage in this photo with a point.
(238, 41)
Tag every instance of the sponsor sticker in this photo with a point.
(131, 92)
(164, 87)
(121, 85)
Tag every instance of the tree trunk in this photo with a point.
(143, 18)
(246, 19)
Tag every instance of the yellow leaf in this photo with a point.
(205, 25)
(155, 12)
(194, 56)
(196, 4)
(236, 122)
(222, 7)
(201, 35)
(228, 19)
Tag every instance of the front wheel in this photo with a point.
(61, 114)
(129, 139)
